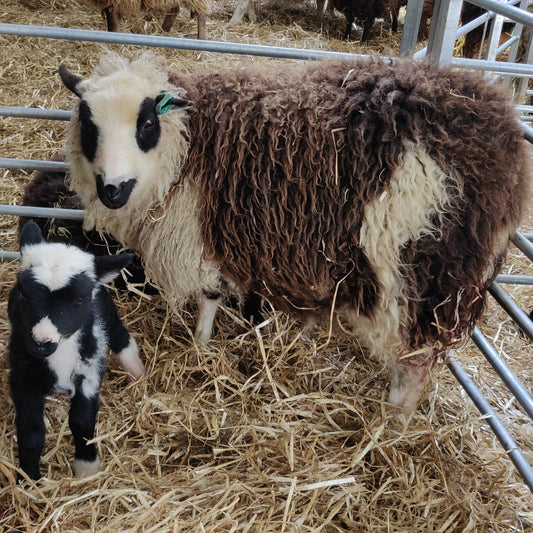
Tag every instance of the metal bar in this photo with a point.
(444, 23)
(512, 12)
(511, 381)
(30, 164)
(413, 13)
(512, 309)
(514, 279)
(9, 256)
(41, 212)
(528, 132)
(167, 42)
(508, 443)
(34, 112)
(523, 244)
(501, 67)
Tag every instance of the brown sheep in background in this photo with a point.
(379, 192)
(114, 9)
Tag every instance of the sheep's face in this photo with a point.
(55, 289)
(120, 123)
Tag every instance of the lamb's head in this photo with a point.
(55, 288)
(128, 137)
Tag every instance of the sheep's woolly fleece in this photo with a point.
(259, 430)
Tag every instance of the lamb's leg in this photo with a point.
(367, 26)
(408, 379)
(111, 19)
(208, 303)
(130, 360)
(82, 421)
(29, 406)
(169, 20)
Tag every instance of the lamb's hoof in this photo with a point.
(84, 468)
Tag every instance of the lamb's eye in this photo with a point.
(78, 302)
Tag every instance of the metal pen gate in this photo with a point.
(443, 34)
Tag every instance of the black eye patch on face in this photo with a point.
(148, 128)
(89, 131)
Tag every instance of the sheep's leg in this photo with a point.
(169, 20)
(243, 7)
(202, 26)
(408, 379)
(29, 406)
(82, 421)
(111, 19)
(208, 303)
(349, 23)
(367, 26)
(394, 21)
(320, 9)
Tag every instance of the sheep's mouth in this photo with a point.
(114, 196)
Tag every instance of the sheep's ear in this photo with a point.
(70, 80)
(108, 267)
(30, 234)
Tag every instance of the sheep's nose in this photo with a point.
(114, 196)
(44, 348)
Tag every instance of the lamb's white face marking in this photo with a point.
(54, 264)
(45, 331)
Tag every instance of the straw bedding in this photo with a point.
(261, 429)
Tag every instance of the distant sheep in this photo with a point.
(362, 10)
(380, 193)
(114, 9)
(62, 321)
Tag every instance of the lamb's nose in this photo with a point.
(43, 348)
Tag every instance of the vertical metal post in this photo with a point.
(413, 13)
(444, 24)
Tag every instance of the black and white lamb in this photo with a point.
(62, 321)
(378, 192)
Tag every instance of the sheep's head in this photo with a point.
(128, 137)
(55, 288)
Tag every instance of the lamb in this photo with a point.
(62, 321)
(377, 192)
(114, 9)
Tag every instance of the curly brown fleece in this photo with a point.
(286, 163)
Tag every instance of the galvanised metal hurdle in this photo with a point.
(444, 32)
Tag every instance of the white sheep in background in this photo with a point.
(62, 321)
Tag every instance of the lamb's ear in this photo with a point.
(108, 267)
(30, 234)
(166, 101)
(70, 80)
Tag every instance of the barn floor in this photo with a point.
(261, 429)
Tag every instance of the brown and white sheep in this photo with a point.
(114, 9)
(382, 192)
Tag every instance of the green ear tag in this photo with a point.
(163, 106)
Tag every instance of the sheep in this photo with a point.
(62, 321)
(114, 9)
(367, 12)
(377, 192)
